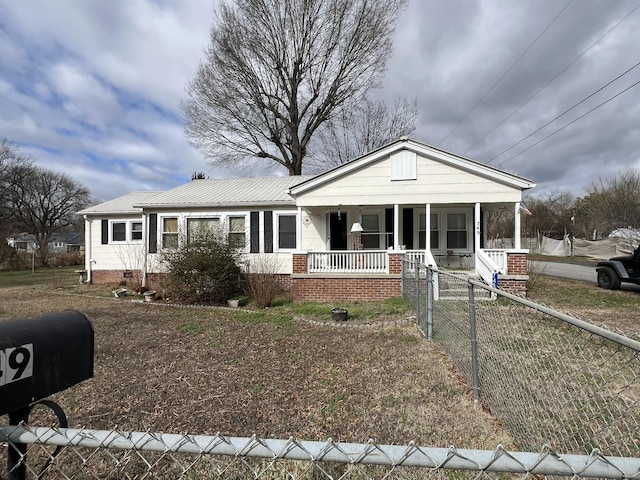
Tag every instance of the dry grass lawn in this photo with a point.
(203, 371)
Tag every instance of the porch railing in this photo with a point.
(498, 257)
(487, 268)
(352, 261)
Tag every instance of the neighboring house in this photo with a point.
(23, 241)
(59, 242)
(340, 235)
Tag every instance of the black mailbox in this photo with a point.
(44, 355)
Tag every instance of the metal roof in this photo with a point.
(227, 192)
(120, 205)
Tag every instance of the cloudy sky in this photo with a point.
(93, 88)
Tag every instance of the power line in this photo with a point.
(556, 76)
(563, 113)
(505, 73)
(571, 122)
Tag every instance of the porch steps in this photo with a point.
(453, 286)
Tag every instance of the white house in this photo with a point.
(337, 235)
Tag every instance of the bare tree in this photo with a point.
(368, 126)
(43, 201)
(276, 70)
(10, 159)
(615, 202)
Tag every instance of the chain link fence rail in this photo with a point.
(114, 454)
(549, 378)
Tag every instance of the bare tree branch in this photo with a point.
(276, 70)
(366, 127)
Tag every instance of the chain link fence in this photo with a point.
(547, 377)
(551, 380)
(116, 454)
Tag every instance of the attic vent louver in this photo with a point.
(403, 165)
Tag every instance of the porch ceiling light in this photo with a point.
(356, 228)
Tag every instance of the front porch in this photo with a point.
(362, 275)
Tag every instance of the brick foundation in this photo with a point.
(318, 288)
(103, 277)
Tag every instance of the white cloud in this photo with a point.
(97, 85)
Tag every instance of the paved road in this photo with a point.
(575, 272)
(566, 270)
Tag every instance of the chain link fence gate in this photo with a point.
(549, 378)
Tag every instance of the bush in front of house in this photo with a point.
(202, 269)
(261, 280)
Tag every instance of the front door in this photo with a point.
(337, 231)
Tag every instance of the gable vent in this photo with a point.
(403, 165)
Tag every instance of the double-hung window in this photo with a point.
(370, 230)
(237, 232)
(119, 232)
(136, 231)
(286, 232)
(457, 231)
(170, 232)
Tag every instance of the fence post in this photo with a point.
(417, 268)
(474, 343)
(429, 303)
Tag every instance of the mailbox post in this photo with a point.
(39, 357)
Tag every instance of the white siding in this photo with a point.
(435, 183)
(120, 256)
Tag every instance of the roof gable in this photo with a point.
(446, 158)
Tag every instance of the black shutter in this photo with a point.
(268, 232)
(254, 232)
(153, 233)
(105, 231)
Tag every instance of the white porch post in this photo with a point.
(299, 229)
(516, 233)
(396, 227)
(476, 233)
(427, 241)
(145, 247)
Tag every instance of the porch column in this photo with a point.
(396, 227)
(516, 232)
(476, 233)
(427, 241)
(145, 247)
(299, 229)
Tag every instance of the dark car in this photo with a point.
(616, 270)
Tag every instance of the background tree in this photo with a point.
(10, 160)
(551, 215)
(610, 204)
(368, 126)
(43, 202)
(276, 70)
